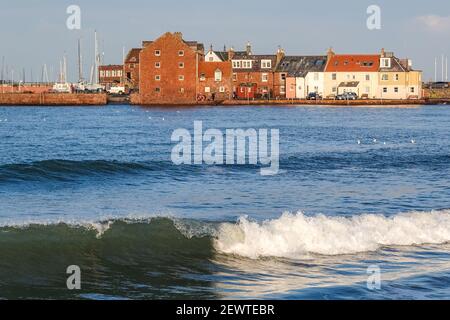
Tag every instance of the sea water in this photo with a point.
(359, 189)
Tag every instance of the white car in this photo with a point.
(62, 88)
(117, 90)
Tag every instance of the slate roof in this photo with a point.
(397, 65)
(256, 66)
(350, 84)
(300, 66)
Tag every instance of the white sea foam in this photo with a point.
(297, 235)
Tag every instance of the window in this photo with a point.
(102, 73)
(157, 65)
(244, 64)
(283, 76)
(158, 53)
(265, 77)
(385, 90)
(396, 90)
(211, 59)
(158, 78)
(181, 65)
(334, 76)
(385, 77)
(181, 78)
(412, 90)
(107, 73)
(234, 76)
(181, 53)
(367, 77)
(266, 64)
(397, 77)
(334, 89)
(158, 90)
(222, 89)
(385, 62)
(202, 77)
(218, 75)
(207, 89)
(113, 73)
(282, 89)
(181, 90)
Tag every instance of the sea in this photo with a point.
(360, 208)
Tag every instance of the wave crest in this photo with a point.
(297, 235)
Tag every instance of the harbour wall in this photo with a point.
(52, 99)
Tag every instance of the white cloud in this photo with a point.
(435, 22)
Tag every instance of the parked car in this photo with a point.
(117, 90)
(347, 96)
(313, 96)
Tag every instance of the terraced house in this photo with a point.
(397, 79)
(304, 75)
(351, 73)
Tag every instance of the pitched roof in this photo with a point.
(398, 65)
(300, 66)
(133, 56)
(350, 84)
(209, 68)
(354, 63)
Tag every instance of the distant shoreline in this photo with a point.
(52, 99)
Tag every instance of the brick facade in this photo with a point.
(215, 81)
(110, 75)
(169, 70)
(131, 69)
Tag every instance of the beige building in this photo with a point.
(356, 73)
(397, 79)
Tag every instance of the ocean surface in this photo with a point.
(360, 189)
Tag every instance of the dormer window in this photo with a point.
(266, 64)
(385, 62)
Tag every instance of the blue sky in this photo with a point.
(33, 32)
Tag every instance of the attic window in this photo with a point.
(157, 53)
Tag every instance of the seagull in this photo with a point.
(413, 141)
(359, 142)
(375, 140)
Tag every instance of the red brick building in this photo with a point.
(131, 69)
(215, 81)
(169, 70)
(110, 75)
(254, 75)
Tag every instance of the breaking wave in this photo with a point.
(297, 235)
(290, 236)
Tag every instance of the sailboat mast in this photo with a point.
(80, 61)
(97, 59)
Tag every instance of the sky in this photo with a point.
(34, 32)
